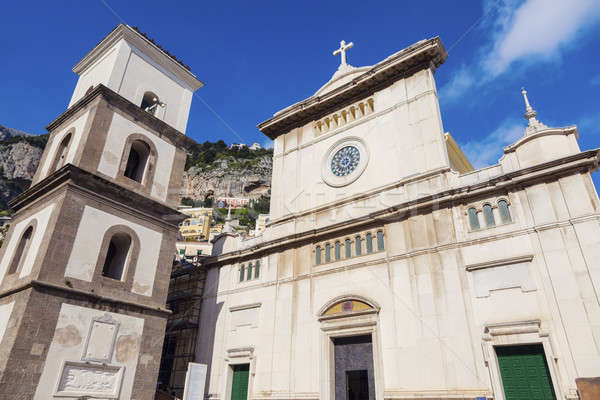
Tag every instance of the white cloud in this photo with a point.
(488, 150)
(526, 32)
(459, 83)
(538, 30)
(267, 144)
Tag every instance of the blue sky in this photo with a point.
(259, 57)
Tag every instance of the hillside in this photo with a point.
(212, 169)
(19, 157)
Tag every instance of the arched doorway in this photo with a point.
(350, 357)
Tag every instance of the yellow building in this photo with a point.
(197, 226)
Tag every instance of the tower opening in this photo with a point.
(137, 160)
(61, 153)
(20, 250)
(150, 103)
(116, 256)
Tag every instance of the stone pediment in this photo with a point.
(343, 75)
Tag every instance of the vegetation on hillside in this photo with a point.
(204, 155)
(34, 140)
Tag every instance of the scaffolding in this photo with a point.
(184, 300)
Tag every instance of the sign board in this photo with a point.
(195, 379)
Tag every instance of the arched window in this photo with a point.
(242, 272)
(504, 211)
(150, 103)
(473, 220)
(21, 249)
(380, 244)
(358, 245)
(137, 160)
(348, 248)
(249, 276)
(338, 250)
(488, 215)
(257, 269)
(116, 256)
(327, 252)
(61, 153)
(369, 240)
(318, 255)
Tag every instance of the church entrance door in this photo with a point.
(354, 374)
(524, 372)
(239, 383)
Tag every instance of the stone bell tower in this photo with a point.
(84, 270)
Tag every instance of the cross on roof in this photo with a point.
(342, 51)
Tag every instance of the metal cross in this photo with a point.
(342, 51)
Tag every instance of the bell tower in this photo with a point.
(84, 269)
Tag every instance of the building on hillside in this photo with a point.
(255, 146)
(85, 266)
(391, 269)
(4, 220)
(238, 146)
(192, 251)
(233, 202)
(261, 222)
(197, 226)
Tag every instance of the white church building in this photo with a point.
(391, 269)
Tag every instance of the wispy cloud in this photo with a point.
(526, 32)
(267, 144)
(487, 151)
(589, 124)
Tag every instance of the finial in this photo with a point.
(342, 50)
(530, 115)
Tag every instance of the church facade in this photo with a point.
(391, 269)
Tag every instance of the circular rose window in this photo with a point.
(345, 161)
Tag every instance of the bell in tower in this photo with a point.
(84, 270)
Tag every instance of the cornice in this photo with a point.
(124, 105)
(584, 161)
(424, 54)
(100, 188)
(546, 132)
(383, 258)
(128, 34)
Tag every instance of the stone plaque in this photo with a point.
(195, 379)
(79, 379)
(101, 340)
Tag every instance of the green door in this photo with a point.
(239, 385)
(524, 372)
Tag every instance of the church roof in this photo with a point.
(350, 84)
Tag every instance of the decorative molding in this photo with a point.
(345, 116)
(449, 198)
(245, 307)
(498, 263)
(512, 328)
(424, 54)
(241, 352)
